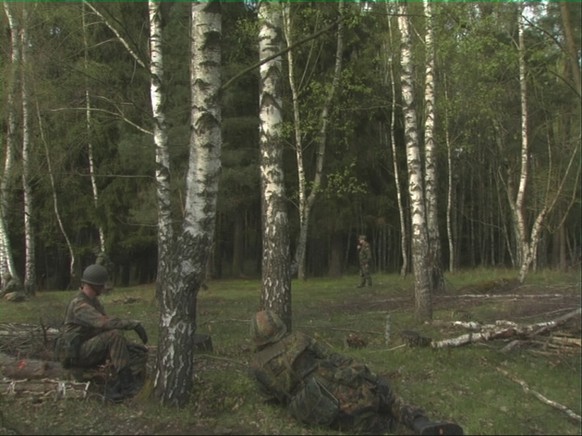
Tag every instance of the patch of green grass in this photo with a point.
(463, 384)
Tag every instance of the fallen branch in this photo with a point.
(504, 330)
(540, 397)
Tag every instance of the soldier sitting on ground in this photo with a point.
(323, 388)
(90, 337)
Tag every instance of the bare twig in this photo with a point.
(540, 397)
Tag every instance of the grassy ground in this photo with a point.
(462, 384)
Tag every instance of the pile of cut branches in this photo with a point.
(544, 335)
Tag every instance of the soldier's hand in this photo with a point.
(140, 330)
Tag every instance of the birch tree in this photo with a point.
(528, 238)
(88, 127)
(307, 197)
(276, 278)
(420, 247)
(187, 260)
(29, 236)
(160, 134)
(430, 156)
(7, 266)
(401, 211)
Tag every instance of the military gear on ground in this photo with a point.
(314, 404)
(267, 327)
(95, 275)
(325, 388)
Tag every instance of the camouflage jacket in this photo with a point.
(85, 317)
(319, 387)
(364, 252)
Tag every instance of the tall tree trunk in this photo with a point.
(72, 257)
(7, 265)
(276, 277)
(401, 211)
(518, 206)
(571, 46)
(420, 248)
(163, 190)
(175, 366)
(89, 129)
(430, 156)
(29, 237)
(307, 200)
(450, 188)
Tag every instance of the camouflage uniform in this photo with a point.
(323, 388)
(320, 387)
(364, 256)
(90, 337)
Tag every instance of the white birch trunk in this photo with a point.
(88, 128)
(30, 252)
(450, 236)
(7, 266)
(276, 278)
(55, 197)
(306, 201)
(174, 371)
(401, 212)
(430, 175)
(519, 205)
(163, 188)
(420, 251)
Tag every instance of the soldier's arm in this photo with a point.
(88, 316)
(269, 390)
(324, 353)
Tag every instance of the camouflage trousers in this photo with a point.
(367, 403)
(110, 345)
(365, 277)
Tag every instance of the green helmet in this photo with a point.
(95, 275)
(267, 327)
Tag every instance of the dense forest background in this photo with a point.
(74, 54)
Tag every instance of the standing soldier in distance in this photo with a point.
(364, 257)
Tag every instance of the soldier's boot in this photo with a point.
(125, 386)
(424, 426)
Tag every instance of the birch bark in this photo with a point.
(7, 267)
(276, 277)
(420, 249)
(163, 190)
(187, 260)
(430, 157)
(29, 238)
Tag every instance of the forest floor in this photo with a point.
(225, 401)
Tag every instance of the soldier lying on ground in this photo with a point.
(90, 337)
(320, 387)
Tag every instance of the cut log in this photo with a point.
(21, 368)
